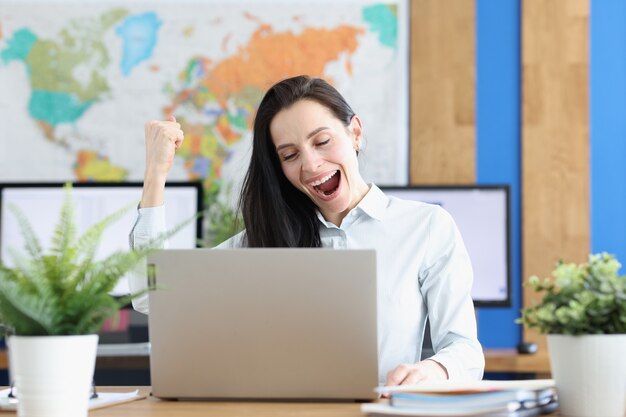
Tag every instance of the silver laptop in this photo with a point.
(263, 324)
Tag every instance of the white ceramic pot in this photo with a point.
(52, 374)
(590, 374)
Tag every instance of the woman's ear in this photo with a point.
(356, 128)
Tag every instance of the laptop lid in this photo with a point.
(263, 323)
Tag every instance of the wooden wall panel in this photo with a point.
(442, 92)
(555, 137)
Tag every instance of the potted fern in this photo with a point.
(52, 305)
(583, 312)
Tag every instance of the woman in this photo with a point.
(303, 189)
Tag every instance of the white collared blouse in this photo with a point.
(423, 271)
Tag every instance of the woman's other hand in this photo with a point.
(409, 374)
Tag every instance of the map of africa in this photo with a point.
(78, 81)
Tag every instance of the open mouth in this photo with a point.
(327, 186)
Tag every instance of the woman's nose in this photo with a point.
(311, 161)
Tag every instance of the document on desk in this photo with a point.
(104, 399)
(484, 398)
(384, 410)
(458, 387)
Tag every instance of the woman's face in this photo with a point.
(317, 153)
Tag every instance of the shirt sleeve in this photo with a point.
(149, 224)
(446, 283)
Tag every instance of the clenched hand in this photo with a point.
(162, 140)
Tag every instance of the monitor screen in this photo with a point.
(41, 204)
(482, 216)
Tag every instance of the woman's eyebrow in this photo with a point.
(316, 131)
(310, 135)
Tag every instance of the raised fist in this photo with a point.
(162, 140)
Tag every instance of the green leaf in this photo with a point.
(24, 311)
(64, 235)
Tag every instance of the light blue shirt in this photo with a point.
(423, 271)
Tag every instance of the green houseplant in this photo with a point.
(65, 291)
(583, 312)
(52, 304)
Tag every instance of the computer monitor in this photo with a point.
(41, 204)
(481, 213)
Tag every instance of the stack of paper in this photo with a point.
(488, 398)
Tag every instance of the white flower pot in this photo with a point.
(53, 374)
(590, 374)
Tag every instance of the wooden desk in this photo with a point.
(508, 360)
(152, 407)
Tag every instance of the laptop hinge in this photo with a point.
(151, 276)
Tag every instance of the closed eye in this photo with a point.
(325, 142)
(289, 157)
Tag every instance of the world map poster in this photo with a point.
(78, 80)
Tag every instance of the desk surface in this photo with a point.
(152, 407)
(508, 360)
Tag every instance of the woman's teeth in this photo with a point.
(323, 180)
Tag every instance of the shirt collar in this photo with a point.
(373, 204)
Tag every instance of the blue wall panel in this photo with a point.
(498, 141)
(608, 127)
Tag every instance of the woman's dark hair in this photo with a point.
(275, 213)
